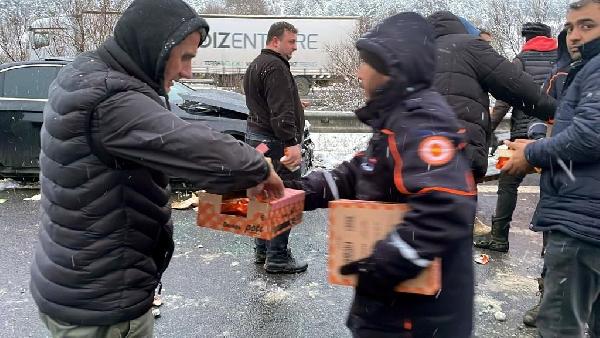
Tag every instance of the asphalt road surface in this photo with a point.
(213, 289)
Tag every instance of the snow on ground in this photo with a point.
(332, 149)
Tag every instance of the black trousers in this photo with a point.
(508, 186)
(277, 247)
(571, 288)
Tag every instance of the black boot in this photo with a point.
(260, 256)
(279, 257)
(260, 251)
(284, 263)
(531, 315)
(497, 240)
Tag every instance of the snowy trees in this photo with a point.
(90, 21)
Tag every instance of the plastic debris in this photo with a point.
(187, 204)
(157, 301)
(482, 259)
(2, 200)
(155, 312)
(33, 198)
(500, 316)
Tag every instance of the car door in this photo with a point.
(23, 94)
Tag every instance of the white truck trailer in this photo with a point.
(235, 40)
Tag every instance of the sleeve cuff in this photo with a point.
(290, 142)
(532, 152)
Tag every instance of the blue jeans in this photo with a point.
(571, 288)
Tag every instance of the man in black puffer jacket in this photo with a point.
(537, 59)
(416, 157)
(108, 147)
(468, 70)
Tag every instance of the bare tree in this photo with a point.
(343, 57)
(91, 22)
(13, 35)
(238, 7)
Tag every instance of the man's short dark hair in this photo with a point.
(277, 29)
(581, 3)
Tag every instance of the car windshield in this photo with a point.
(177, 90)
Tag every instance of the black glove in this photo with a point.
(370, 281)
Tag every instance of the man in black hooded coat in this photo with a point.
(468, 70)
(108, 147)
(415, 156)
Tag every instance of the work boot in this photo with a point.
(284, 262)
(260, 256)
(531, 315)
(480, 228)
(497, 240)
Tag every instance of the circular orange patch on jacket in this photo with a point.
(436, 150)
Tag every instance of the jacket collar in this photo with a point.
(590, 50)
(268, 51)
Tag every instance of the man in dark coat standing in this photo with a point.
(554, 87)
(468, 71)
(415, 156)
(570, 191)
(536, 59)
(277, 120)
(109, 145)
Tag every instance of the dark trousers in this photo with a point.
(571, 288)
(508, 186)
(277, 247)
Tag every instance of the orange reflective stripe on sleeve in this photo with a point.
(399, 182)
(397, 162)
(551, 82)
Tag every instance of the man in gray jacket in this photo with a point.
(109, 145)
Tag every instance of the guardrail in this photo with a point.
(346, 122)
(335, 122)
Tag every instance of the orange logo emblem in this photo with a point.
(436, 150)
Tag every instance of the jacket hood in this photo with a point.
(405, 43)
(564, 58)
(445, 23)
(148, 30)
(541, 44)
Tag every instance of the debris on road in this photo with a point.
(482, 259)
(500, 316)
(2, 200)
(187, 204)
(33, 198)
(155, 312)
(157, 301)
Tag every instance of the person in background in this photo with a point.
(468, 70)
(276, 119)
(537, 58)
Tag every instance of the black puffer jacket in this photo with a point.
(537, 59)
(468, 70)
(415, 156)
(106, 230)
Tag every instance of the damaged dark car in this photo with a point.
(24, 92)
